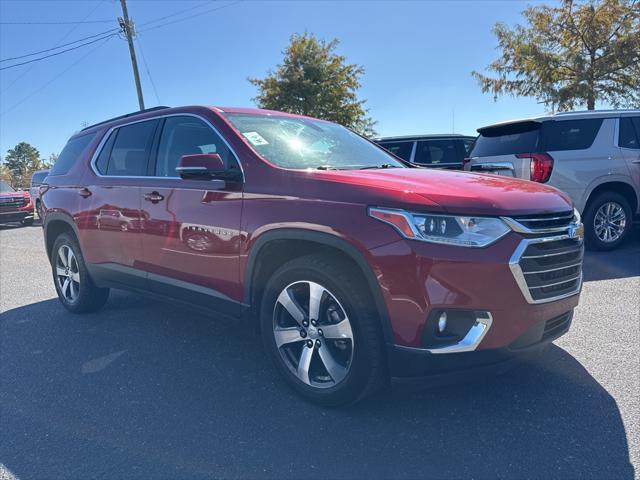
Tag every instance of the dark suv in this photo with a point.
(435, 151)
(356, 266)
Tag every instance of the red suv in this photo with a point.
(15, 206)
(357, 266)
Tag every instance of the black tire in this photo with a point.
(27, 222)
(89, 298)
(592, 240)
(367, 369)
(39, 209)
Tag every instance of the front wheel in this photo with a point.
(27, 222)
(75, 289)
(607, 221)
(321, 330)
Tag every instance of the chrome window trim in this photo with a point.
(518, 274)
(106, 136)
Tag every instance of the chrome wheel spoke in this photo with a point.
(285, 336)
(75, 276)
(65, 287)
(315, 298)
(74, 289)
(61, 272)
(63, 256)
(291, 305)
(335, 370)
(341, 330)
(304, 364)
(70, 257)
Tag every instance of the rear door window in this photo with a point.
(130, 151)
(71, 152)
(629, 136)
(569, 134)
(399, 149)
(437, 152)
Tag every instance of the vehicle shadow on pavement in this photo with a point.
(147, 390)
(621, 263)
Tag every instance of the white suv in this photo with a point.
(592, 156)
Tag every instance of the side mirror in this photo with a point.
(205, 166)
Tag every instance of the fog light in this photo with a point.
(442, 322)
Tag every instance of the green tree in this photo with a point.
(577, 53)
(21, 161)
(313, 80)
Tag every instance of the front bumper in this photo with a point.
(16, 216)
(416, 367)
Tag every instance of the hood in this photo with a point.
(14, 194)
(460, 192)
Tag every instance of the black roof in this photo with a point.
(408, 138)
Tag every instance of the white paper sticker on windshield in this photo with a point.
(255, 138)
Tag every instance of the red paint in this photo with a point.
(203, 232)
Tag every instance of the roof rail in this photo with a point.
(153, 109)
(595, 112)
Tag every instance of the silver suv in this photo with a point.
(593, 156)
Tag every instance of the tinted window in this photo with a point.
(38, 177)
(507, 139)
(629, 133)
(468, 145)
(435, 152)
(399, 149)
(569, 134)
(103, 158)
(187, 136)
(130, 150)
(70, 153)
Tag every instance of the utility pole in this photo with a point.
(127, 28)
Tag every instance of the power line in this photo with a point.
(50, 81)
(26, 71)
(190, 16)
(146, 67)
(58, 23)
(180, 12)
(58, 53)
(59, 46)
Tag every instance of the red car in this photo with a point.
(355, 266)
(15, 206)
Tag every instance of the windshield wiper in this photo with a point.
(326, 167)
(384, 165)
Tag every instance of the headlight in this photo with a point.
(464, 231)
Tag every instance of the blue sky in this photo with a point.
(418, 56)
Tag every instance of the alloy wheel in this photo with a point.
(609, 222)
(313, 334)
(67, 273)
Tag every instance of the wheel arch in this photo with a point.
(278, 246)
(616, 186)
(54, 225)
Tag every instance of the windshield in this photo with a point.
(302, 143)
(5, 187)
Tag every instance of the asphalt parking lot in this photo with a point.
(147, 390)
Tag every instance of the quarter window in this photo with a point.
(187, 136)
(436, 152)
(127, 151)
(569, 134)
(629, 133)
(70, 153)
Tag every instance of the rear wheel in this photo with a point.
(75, 289)
(322, 332)
(607, 221)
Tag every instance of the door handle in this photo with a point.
(636, 161)
(84, 192)
(153, 197)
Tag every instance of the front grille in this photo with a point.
(556, 326)
(552, 269)
(13, 202)
(545, 222)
